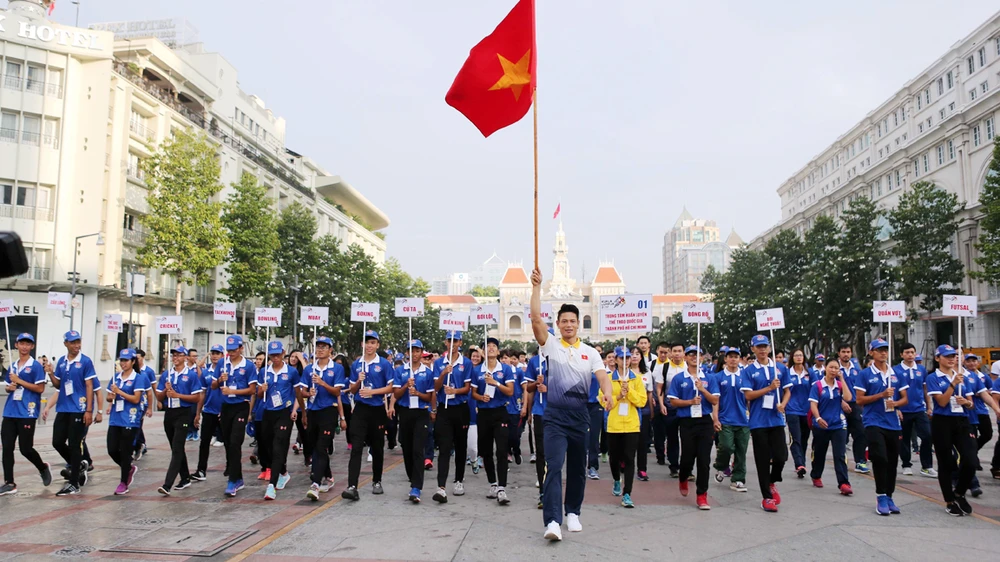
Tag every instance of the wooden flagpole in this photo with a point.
(534, 105)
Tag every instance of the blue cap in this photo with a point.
(180, 349)
(127, 353)
(733, 349)
(415, 343)
(453, 335)
(275, 347)
(398, 357)
(620, 352)
(878, 343)
(217, 349)
(325, 340)
(372, 335)
(552, 331)
(759, 339)
(945, 350)
(971, 356)
(691, 349)
(918, 358)
(71, 335)
(25, 337)
(234, 341)
(494, 341)
(724, 349)
(820, 357)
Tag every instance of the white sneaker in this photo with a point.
(573, 523)
(908, 471)
(369, 455)
(326, 485)
(738, 487)
(928, 472)
(536, 484)
(553, 532)
(492, 494)
(458, 489)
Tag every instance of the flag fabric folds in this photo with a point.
(495, 85)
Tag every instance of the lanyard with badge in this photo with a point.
(414, 399)
(956, 408)
(173, 402)
(68, 382)
(490, 390)
(696, 408)
(119, 401)
(887, 381)
(769, 398)
(623, 404)
(19, 393)
(276, 400)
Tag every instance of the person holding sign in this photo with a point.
(797, 412)
(453, 382)
(826, 399)
(125, 392)
(278, 391)
(916, 413)
(571, 365)
(880, 391)
(492, 387)
(731, 423)
(24, 383)
(950, 429)
(628, 397)
(238, 381)
(178, 390)
(766, 388)
(689, 393)
(74, 377)
(414, 399)
(322, 381)
(371, 381)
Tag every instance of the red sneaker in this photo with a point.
(264, 475)
(428, 464)
(703, 502)
(818, 482)
(845, 489)
(775, 495)
(769, 506)
(684, 487)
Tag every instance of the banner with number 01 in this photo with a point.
(626, 313)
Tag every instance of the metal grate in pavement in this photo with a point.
(181, 542)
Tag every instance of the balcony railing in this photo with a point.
(36, 273)
(32, 86)
(142, 130)
(134, 237)
(9, 135)
(13, 82)
(29, 137)
(28, 213)
(136, 173)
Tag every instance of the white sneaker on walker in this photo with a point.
(573, 523)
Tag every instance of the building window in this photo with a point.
(972, 94)
(997, 41)
(32, 130)
(888, 182)
(12, 76)
(975, 136)
(951, 107)
(940, 154)
(54, 87)
(878, 186)
(982, 57)
(8, 127)
(927, 163)
(941, 114)
(990, 131)
(895, 118)
(916, 172)
(25, 196)
(984, 87)
(929, 121)
(899, 182)
(940, 86)
(50, 135)
(879, 129)
(920, 102)
(972, 64)
(36, 79)
(951, 150)
(951, 79)
(920, 127)
(587, 322)
(927, 96)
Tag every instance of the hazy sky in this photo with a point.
(644, 106)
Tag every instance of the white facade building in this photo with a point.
(689, 247)
(938, 128)
(79, 113)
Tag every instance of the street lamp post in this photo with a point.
(74, 275)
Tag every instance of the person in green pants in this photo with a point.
(730, 417)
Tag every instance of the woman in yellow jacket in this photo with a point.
(623, 420)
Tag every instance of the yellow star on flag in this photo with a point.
(515, 76)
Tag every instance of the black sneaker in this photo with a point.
(199, 476)
(351, 493)
(541, 504)
(46, 474)
(182, 484)
(963, 504)
(90, 466)
(65, 473)
(68, 490)
(661, 462)
(953, 509)
(517, 458)
(673, 473)
(976, 492)
(253, 459)
(83, 478)
(377, 488)
(8, 488)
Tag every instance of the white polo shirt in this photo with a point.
(570, 370)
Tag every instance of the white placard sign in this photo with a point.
(169, 324)
(960, 305)
(453, 320)
(364, 312)
(626, 313)
(113, 323)
(699, 313)
(546, 312)
(409, 307)
(889, 311)
(267, 317)
(224, 311)
(6, 308)
(58, 301)
(314, 316)
(771, 319)
(484, 314)
(136, 286)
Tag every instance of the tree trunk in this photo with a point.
(243, 305)
(177, 296)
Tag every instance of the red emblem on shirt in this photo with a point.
(583, 357)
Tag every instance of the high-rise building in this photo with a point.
(79, 112)
(939, 127)
(689, 248)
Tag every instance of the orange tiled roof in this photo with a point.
(607, 274)
(451, 299)
(515, 275)
(676, 298)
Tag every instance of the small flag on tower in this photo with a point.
(52, 7)
(556, 214)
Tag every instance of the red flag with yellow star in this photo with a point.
(494, 87)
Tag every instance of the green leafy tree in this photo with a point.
(787, 257)
(820, 244)
(484, 291)
(924, 224)
(862, 265)
(988, 244)
(737, 294)
(186, 238)
(252, 229)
